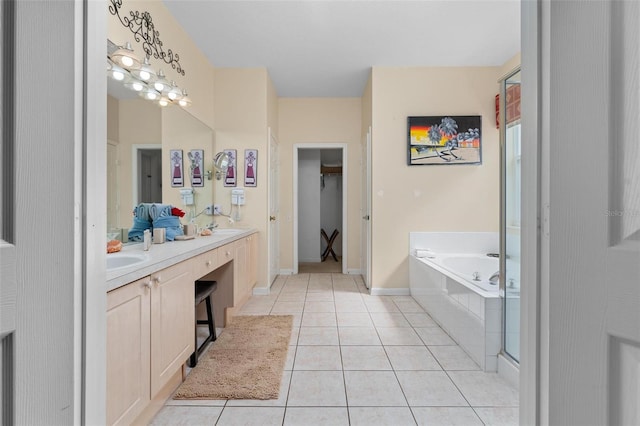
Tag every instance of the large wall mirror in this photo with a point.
(140, 135)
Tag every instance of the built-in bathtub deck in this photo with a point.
(469, 314)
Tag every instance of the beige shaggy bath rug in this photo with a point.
(245, 362)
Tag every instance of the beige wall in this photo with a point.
(180, 130)
(428, 198)
(510, 65)
(319, 120)
(241, 110)
(140, 124)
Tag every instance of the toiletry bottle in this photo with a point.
(146, 240)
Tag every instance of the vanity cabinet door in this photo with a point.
(128, 337)
(172, 320)
(240, 272)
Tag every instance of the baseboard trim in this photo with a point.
(406, 291)
(354, 271)
(261, 291)
(286, 272)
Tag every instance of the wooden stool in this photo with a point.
(330, 241)
(203, 290)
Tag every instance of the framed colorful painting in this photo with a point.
(444, 139)
(196, 157)
(232, 170)
(175, 156)
(250, 167)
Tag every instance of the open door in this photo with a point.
(274, 208)
(365, 209)
(592, 227)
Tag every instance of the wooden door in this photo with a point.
(172, 322)
(593, 231)
(128, 343)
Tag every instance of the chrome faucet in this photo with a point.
(495, 278)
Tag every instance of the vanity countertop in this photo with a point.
(161, 256)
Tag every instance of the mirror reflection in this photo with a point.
(140, 135)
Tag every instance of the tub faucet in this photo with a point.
(495, 278)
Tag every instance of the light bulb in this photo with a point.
(151, 96)
(127, 61)
(144, 75)
(117, 75)
(136, 86)
(182, 103)
(163, 102)
(158, 86)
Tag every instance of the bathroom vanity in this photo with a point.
(151, 314)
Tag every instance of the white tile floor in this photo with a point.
(356, 359)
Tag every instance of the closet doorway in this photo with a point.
(320, 208)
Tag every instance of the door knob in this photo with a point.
(366, 217)
(272, 218)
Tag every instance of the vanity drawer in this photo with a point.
(205, 263)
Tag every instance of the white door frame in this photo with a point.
(535, 175)
(365, 210)
(345, 191)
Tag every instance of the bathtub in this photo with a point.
(452, 284)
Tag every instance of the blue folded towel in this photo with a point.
(171, 224)
(159, 210)
(141, 221)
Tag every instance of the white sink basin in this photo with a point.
(124, 260)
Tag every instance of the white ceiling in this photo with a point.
(326, 48)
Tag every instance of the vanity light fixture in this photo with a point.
(161, 84)
(184, 100)
(125, 57)
(145, 72)
(141, 78)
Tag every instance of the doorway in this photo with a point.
(320, 208)
(147, 174)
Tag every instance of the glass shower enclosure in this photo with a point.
(510, 175)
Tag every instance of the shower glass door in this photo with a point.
(510, 220)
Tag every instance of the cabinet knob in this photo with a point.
(158, 279)
(148, 284)
(228, 253)
(208, 263)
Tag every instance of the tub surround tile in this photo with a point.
(381, 416)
